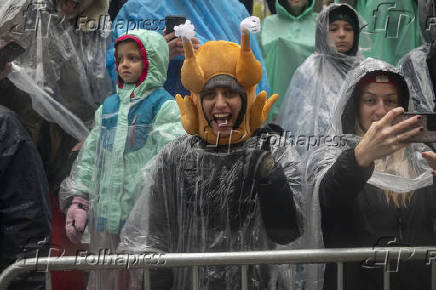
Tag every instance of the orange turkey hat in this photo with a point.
(221, 58)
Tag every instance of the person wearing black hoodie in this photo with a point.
(25, 221)
(375, 189)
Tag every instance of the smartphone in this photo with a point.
(9, 52)
(173, 20)
(428, 122)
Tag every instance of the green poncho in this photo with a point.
(286, 42)
(394, 27)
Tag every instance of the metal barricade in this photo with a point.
(380, 256)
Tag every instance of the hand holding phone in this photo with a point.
(428, 122)
(173, 20)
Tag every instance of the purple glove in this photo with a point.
(77, 215)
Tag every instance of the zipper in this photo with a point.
(400, 229)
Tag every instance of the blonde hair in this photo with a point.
(395, 164)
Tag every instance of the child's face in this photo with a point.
(130, 64)
(341, 34)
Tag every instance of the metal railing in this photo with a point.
(377, 257)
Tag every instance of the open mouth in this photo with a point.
(222, 119)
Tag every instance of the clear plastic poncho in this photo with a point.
(414, 65)
(202, 198)
(343, 122)
(319, 161)
(213, 20)
(63, 68)
(312, 92)
(130, 128)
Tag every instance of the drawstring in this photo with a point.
(132, 132)
(400, 229)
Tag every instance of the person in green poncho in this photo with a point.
(287, 39)
(393, 26)
(130, 128)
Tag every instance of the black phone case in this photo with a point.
(429, 133)
(173, 20)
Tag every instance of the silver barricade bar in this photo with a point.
(377, 256)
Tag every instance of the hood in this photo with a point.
(345, 112)
(222, 58)
(427, 14)
(63, 70)
(155, 56)
(343, 121)
(282, 9)
(322, 44)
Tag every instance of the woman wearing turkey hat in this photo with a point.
(220, 188)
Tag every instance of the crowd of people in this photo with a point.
(227, 134)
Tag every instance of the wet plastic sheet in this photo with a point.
(193, 200)
(63, 68)
(414, 65)
(318, 162)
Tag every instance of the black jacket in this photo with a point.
(218, 199)
(24, 207)
(356, 214)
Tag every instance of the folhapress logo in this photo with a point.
(388, 19)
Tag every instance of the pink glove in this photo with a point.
(77, 215)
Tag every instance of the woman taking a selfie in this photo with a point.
(377, 188)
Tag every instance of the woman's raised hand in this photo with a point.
(383, 138)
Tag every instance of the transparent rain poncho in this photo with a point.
(202, 198)
(312, 92)
(343, 123)
(63, 68)
(130, 128)
(318, 162)
(414, 65)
